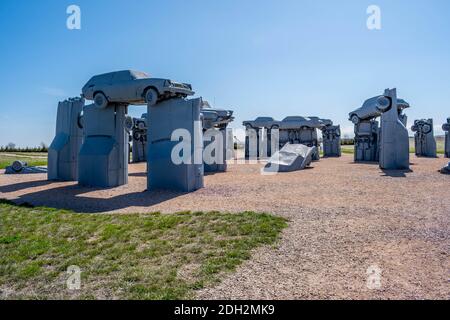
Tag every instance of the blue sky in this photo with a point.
(259, 58)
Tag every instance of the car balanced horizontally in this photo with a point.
(132, 87)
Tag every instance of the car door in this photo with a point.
(122, 87)
(102, 83)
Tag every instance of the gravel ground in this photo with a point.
(344, 218)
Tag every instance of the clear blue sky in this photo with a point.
(260, 58)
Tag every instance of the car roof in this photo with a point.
(294, 118)
(132, 72)
(264, 119)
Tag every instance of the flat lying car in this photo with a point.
(307, 122)
(261, 122)
(216, 118)
(295, 122)
(132, 87)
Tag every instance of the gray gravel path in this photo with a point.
(344, 218)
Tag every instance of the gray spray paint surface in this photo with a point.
(446, 128)
(389, 143)
(367, 134)
(394, 142)
(164, 118)
(293, 130)
(424, 141)
(292, 157)
(215, 123)
(103, 160)
(139, 139)
(21, 167)
(63, 151)
(130, 87)
(331, 136)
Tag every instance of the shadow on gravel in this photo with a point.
(72, 198)
(24, 185)
(368, 163)
(396, 173)
(138, 174)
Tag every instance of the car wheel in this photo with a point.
(151, 97)
(383, 104)
(446, 127)
(100, 100)
(355, 119)
(129, 123)
(80, 120)
(18, 166)
(427, 129)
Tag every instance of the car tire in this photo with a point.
(427, 129)
(446, 127)
(151, 97)
(129, 124)
(100, 100)
(355, 119)
(384, 104)
(18, 166)
(80, 120)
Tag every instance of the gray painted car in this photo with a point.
(307, 122)
(294, 122)
(216, 118)
(261, 122)
(132, 87)
(374, 107)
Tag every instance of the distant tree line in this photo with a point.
(347, 142)
(11, 147)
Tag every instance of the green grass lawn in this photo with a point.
(348, 149)
(123, 256)
(33, 159)
(440, 145)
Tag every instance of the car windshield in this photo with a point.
(139, 75)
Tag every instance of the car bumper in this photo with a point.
(176, 90)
